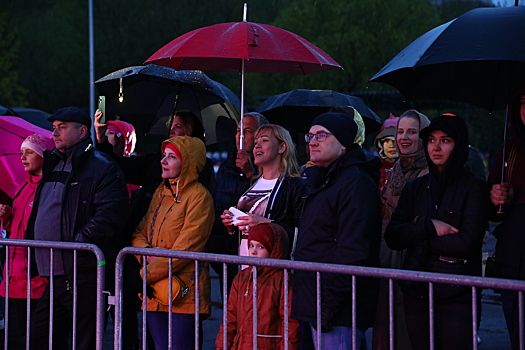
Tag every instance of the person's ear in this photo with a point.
(282, 148)
(83, 131)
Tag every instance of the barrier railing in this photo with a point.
(390, 274)
(52, 246)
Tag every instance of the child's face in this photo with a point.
(257, 250)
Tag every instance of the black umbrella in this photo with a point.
(477, 58)
(296, 109)
(147, 96)
(34, 116)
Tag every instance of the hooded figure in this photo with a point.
(441, 220)
(385, 145)
(270, 299)
(180, 217)
(125, 132)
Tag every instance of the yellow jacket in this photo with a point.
(183, 222)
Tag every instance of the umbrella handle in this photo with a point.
(504, 154)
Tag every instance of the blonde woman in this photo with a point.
(276, 193)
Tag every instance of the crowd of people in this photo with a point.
(415, 206)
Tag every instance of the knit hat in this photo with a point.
(37, 143)
(262, 234)
(341, 125)
(126, 133)
(71, 114)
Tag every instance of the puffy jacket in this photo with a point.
(270, 307)
(94, 205)
(22, 206)
(454, 196)
(183, 222)
(340, 224)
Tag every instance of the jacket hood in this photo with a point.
(193, 153)
(378, 144)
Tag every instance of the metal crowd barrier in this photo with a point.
(354, 271)
(52, 246)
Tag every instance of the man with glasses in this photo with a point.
(341, 224)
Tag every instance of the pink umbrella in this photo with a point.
(13, 131)
(243, 47)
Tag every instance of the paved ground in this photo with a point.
(493, 332)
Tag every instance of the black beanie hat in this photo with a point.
(341, 125)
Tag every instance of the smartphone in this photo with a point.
(102, 108)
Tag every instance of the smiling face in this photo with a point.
(440, 147)
(68, 134)
(171, 164)
(407, 136)
(324, 153)
(31, 161)
(257, 250)
(267, 149)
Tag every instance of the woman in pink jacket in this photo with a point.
(14, 220)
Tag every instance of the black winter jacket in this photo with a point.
(94, 206)
(454, 196)
(464, 205)
(340, 224)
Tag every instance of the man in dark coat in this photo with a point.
(340, 224)
(82, 198)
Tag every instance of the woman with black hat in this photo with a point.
(441, 220)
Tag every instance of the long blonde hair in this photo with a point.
(289, 165)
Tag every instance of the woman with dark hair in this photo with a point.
(510, 194)
(440, 220)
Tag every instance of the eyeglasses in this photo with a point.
(319, 136)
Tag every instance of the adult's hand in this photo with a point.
(227, 220)
(244, 162)
(501, 194)
(100, 129)
(442, 228)
(246, 223)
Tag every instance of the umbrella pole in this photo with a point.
(504, 154)
(241, 140)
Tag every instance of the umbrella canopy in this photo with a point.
(296, 109)
(263, 48)
(477, 58)
(147, 96)
(13, 131)
(243, 47)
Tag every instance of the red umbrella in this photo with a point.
(243, 47)
(13, 131)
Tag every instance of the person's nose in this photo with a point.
(437, 146)
(55, 132)
(163, 160)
